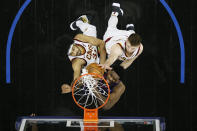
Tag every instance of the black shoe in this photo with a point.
(83, 18)
(73, 25)
(116, 8)
(130, 27)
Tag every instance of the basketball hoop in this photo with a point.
(90, 92)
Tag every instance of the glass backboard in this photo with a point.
(61, 123)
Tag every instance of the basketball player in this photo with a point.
(124, 45)
(85, 47)
(117, 88)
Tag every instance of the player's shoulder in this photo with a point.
(141, 48)
(78, 36)
(117, 49)
(117, 46)
(82, 38)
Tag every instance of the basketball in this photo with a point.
(95, 68)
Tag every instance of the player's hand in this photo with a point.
(106, 67)
(66, 88)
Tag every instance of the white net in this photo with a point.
(91, 92)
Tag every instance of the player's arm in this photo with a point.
(115, 96)
(96, 42)
(77, 66)
(115, 52)
(125, 64)
(102, 51)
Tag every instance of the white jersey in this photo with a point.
(90, 55)
(121, 40)
(124, 56)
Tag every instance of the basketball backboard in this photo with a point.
(61, 123)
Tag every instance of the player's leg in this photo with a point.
(83, 24)
(87, 29)
(116, 32)
(113, 20)
(83, 18)
(129, 30)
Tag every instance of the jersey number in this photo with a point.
(91, 54)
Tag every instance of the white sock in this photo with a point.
(116, 4)
(79, 22)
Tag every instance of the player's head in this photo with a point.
(74, 50)
(133, 42)
(112, 77)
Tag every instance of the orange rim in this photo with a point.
(100, 78)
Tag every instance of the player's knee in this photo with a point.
(106, 107)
